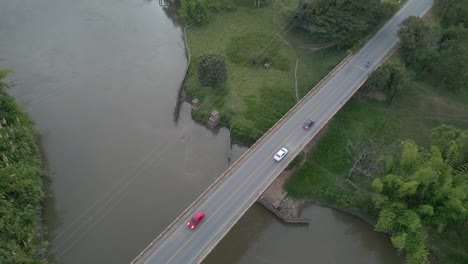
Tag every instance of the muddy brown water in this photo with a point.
(100, 80)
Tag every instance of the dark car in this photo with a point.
(196, 219)
(308, 124)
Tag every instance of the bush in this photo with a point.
(212, 70)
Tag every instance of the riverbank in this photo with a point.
(21, 187)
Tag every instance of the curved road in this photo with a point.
(226, 200)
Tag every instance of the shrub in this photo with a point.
(212, 70)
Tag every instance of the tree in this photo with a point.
(212, 70)
(391, 79)
(414, 36)
(421, 190)
(453, 59)
(196, 11)
(452, 142)
(343, 21)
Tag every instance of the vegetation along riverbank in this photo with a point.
(21, 185)
(396, 154)
(398, 151)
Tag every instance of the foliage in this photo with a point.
(452, 143)
(440, 55)
(414, 37)
(452, 60)
(345, 22)
(452, 12)
(212, 70)
(421, 191)
(20, 187)
(391, 79)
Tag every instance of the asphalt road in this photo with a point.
(239, 187)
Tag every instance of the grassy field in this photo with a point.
(254, 97)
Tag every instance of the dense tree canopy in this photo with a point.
(421, 189)
(345, 21)
(440, 55)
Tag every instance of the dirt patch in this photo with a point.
(276, 194)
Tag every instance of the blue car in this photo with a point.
(308, 124)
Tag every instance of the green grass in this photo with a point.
(296, 161)
(254, 98)
(21, 191)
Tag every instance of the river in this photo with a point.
(100, 80)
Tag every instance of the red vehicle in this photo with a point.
(196, 219)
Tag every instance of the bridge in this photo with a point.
(232, 194)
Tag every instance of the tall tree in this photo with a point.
(415, 36)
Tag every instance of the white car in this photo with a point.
(280, 154)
